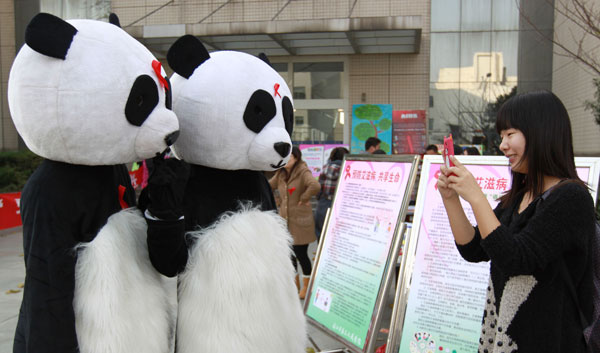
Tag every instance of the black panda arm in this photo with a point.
(166, 227)
(166, 246)
(268, 199)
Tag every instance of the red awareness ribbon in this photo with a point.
(156, 65)
(347, 172)
(277, 90)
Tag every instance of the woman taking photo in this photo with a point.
(537, 239)
(296, 185)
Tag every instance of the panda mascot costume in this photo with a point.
(88, 97)
(236, 281)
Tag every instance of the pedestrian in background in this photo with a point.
(372, 144)
(471, 151)
(538, 239)
(296, 186)
(431, 149)
(328, 180)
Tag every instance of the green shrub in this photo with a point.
(15, 169)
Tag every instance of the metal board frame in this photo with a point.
(391, 259)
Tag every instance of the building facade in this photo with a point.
(451, 58)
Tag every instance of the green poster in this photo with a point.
(357, 246)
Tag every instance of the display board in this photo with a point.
(359, 247)
(371, 120)
(440, 297)
(409, 131)
(317, 155)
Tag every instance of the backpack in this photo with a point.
(591, 331)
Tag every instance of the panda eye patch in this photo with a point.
(259, 110)
(143, 97)
(288, 114)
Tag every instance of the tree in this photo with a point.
(477, 117)
(594, 105)
(586, 17)
(582, 42)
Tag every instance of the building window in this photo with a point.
(319, 80)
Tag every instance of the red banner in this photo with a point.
(409, 131)
(10, 211)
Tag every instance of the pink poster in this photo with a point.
(447, 293)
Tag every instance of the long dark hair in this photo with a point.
(544, 121)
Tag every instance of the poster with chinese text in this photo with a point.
(362, 227)
(443, 309)
(409, 132)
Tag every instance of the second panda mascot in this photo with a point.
(88, 98)
(236, 288)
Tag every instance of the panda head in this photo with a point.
(234, 110)
(86, 92)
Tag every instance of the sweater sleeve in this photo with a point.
(473, 251)
(563, 222)
(312, 186)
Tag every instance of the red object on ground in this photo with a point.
(381, 349)
(10, 210)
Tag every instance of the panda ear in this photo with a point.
(114, 19)
(49, 35)
(263, 57)
(186, 54)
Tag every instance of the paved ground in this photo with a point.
(12, 274)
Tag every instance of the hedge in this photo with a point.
(15, 169)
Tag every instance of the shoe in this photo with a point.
(305, 281)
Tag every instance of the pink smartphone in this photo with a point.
(448, 151)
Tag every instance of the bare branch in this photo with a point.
(581, 55)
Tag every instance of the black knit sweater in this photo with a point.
(529, 307)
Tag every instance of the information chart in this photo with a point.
(440, 304)
(356, 249)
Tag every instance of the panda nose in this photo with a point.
(282, 148)
(171, 138)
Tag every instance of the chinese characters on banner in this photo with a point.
(10, 210)
(445, 303)
(447, 294)
(409, 134)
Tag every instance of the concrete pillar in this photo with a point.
(536, 29)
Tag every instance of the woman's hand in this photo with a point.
(442, 184)
(307, 203)
(462, 182)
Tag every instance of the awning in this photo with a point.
(370, 35)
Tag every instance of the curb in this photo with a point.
(10, 231)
